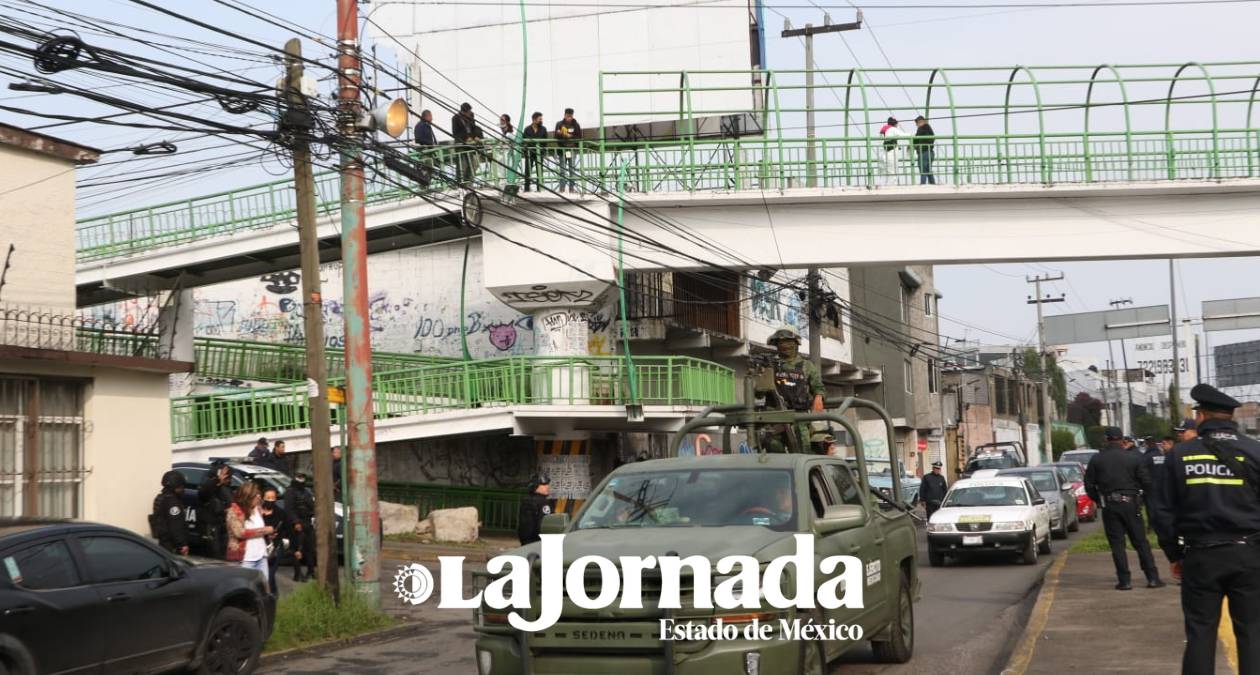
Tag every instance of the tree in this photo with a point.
(1095, 437)
(1037, 370)
(1061, 441)
(1155, 426)
(1174, 404)
(1085, 410)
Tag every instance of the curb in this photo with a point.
(275, 658)
(1021, 658)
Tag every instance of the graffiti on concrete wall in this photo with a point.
(773, 305)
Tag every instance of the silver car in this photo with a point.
(1058, 493)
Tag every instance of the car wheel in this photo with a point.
(935, 558)
(233, 644)
(1029, 557)
(813, 658)
(1044, 547)
(900, 645)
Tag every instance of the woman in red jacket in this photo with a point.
(247, 533)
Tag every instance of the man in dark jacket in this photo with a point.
(425, 136)
(924, 142)
(282, 531)
(932, 490)
(536, 138)
(299, 503)
(568, 135)
(260, 450)
(1211, 502)
(214, 495)
(465, 132)
(1115, 480)
(533, 508)
(168, 521)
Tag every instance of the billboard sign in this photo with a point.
(1113, 324)
(1236, 314)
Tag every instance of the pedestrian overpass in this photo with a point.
(1052, 163)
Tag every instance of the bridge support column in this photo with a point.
(175, 337)
(562, 333)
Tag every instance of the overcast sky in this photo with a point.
(984, 303)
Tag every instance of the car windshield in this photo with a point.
(991, 462)
(986, 495)
(1042, 480)
(1073, 471)
(699, 497)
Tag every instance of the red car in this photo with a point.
(1074, 474)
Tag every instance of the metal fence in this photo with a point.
(52, 328)
(518, 380)
(270, 362)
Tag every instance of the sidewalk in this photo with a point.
(1082, 624)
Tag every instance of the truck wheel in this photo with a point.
(900, 645)
(935, 558)
(1029, 556)
(233, 643)
(813, 657)
(1044, 547)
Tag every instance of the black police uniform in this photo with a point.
(213, 501)
(1115, 479)
(1216, 513)
(529, 521)
(282, 526)
(932, 491)
(168, 521)
(1153, 460)
(299, 502)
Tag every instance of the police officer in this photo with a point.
(1114, 480)
(1153, 460)
(1211, 501)
(534, 506)
(167, 521)
(932, 490)
(1185, 431)
(299, 503)
(214, 495)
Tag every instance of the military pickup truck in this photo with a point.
(715, 506)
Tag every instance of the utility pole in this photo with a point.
(364, 515)
(1039, 300)
(297, 117)
(1124, 355)
(808, 32)
(1172, 320)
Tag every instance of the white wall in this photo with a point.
(479, 47)
(37, 219)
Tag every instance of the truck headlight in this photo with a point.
(752, 663)
(1009, 526)
(940, 527)
(485, 661)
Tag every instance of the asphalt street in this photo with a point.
(967, 619)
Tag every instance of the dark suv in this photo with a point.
(84, 597)
(195, 472)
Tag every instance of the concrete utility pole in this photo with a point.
(1124, 355)
(313, 318)
(1175, 415)
(808, 32)
(364, 515)
(1039, 300)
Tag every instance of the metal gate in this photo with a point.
(41, 447)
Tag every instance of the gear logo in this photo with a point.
(413, 583)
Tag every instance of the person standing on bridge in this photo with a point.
(1114, 480)
(536, 138)
(924, 149)
(568, 137)
(890, 133)
(1211, 502)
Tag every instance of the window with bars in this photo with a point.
(41, 447)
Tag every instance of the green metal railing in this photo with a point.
(1038, 125)
(269, 362)
(518, 380)
(496, 508)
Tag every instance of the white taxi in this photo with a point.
(990, 515)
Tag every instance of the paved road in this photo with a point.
(969, 615)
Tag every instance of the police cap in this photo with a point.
(1209, 398)
(1113, 433)
(172, 480)
(540, 479)
(936, 465)
(1184, 425)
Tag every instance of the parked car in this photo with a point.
(880, 478)
(1081, 456)
(1002, 455)
(991, 515)
(78, 596)
(1060, 499)
(1086, 509)
(195, 472)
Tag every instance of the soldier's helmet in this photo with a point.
(172, 480)
(785, 333)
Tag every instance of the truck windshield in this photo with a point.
(690, 498)
(992, 462)
(987, 495)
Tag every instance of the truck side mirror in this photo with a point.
(840, 517)
(555, 523)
